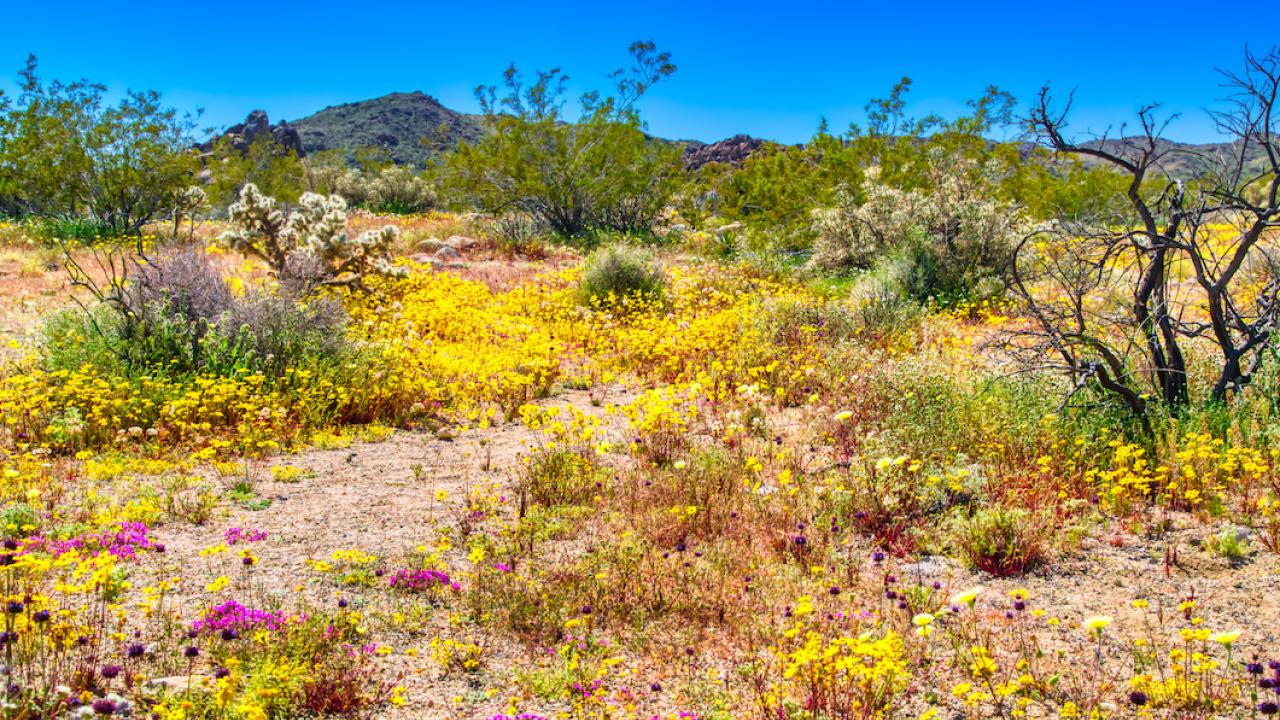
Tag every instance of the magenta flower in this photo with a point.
(417, 581)
(232, 616)
(237, 535)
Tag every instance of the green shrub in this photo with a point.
(68, 153)
(952, 242)
(619, 274)
(266, 164)
(82, 231)
(602, 172)
(18, 521)
(1002, 541)
(560, 477)
(518, 234)
(1230, 542)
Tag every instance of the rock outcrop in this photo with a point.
(732, 151)
(258, 125)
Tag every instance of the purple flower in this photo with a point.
(243, 535)
(232, 616)
(418, 581)
(123, 543)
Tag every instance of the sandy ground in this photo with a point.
(367, 497)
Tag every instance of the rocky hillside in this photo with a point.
(411, 127)
(1184, 160)
(732, 151)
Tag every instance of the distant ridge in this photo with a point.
(1182, 160)
(413, 127)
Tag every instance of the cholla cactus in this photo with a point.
(186, 204)
(310, 247)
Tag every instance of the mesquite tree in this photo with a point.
(1116, 301)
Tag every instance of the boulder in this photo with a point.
(462, 242)
(929, 566)
(422, 259)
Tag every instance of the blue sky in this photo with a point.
(767, 69)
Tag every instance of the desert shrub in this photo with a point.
(952, 242)
(73, 230)
(66, 153)
(265, 163)
(617, 274)
(185, 284)
(777, 187)
(310, 248)
(180, 317)
(256, 335)
(599, 173)
(517, 233)
(277, 333)
(797, 322)
(560, 477)
(377, 187)
(1002, 541)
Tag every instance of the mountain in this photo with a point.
(397, 123)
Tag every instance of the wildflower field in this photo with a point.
(533, 414)
(738, 493)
